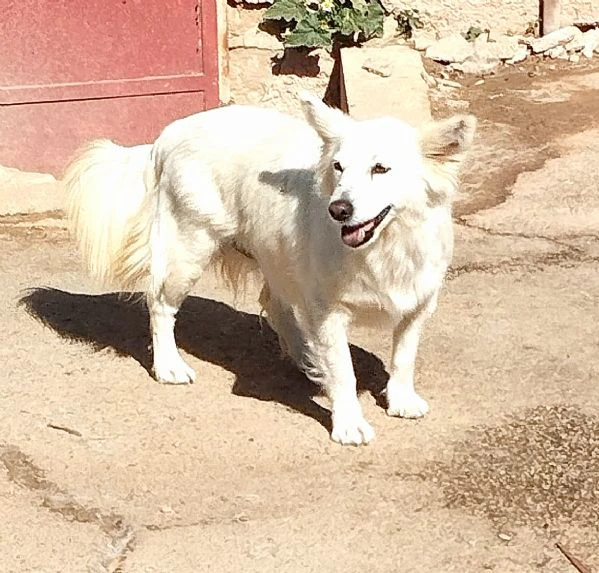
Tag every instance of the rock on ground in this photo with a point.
(451, 49)
(557, 53)
(422, 39)
(558, 38)
(477, 65)
(386, 81)
(503, 48)
(519, 56)
(591, 42)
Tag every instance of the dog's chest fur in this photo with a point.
(401, 272)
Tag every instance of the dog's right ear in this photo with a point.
(329, 123)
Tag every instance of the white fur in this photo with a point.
(106, 190)
(248, 188)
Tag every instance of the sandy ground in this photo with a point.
(101, 467)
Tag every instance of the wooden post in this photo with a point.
(335, 95)
(550, 16)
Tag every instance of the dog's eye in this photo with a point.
(379, 169)
(337, 167)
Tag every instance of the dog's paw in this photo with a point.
(175, 371)
(351, 429)
(405, 403)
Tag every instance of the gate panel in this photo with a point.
(72, 70)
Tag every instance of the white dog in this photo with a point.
(347, 221)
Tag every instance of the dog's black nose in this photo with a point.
(341, 210)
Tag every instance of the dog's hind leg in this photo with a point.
(177, 262)
(282, 320)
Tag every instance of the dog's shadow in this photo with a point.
(212, 331)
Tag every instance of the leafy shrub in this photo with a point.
(408, 21)
(320, 24)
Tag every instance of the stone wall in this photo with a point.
(446, 16)
(261, 72)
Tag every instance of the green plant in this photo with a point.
(408, 21)
(532, 29)
(303, 23)
(473, 33)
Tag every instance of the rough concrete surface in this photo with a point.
(102, 469)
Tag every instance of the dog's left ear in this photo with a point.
(329, 123)
(444, 145)
(447, 141)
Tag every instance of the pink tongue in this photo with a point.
(355, 237)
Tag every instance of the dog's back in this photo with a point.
(249, 174)
(239, 137)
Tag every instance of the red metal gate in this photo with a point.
(73, 70)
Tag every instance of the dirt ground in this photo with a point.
(102, 468)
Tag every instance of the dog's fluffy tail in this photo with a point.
(112, 203)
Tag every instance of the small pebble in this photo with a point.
(450, 83)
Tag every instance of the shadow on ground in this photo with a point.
(212, 331)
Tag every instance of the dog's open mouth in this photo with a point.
(358, 235)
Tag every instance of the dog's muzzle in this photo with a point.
(357, 235)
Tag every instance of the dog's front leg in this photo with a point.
(328, 362)
(402, 399)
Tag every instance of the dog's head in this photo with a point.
(375, 170)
